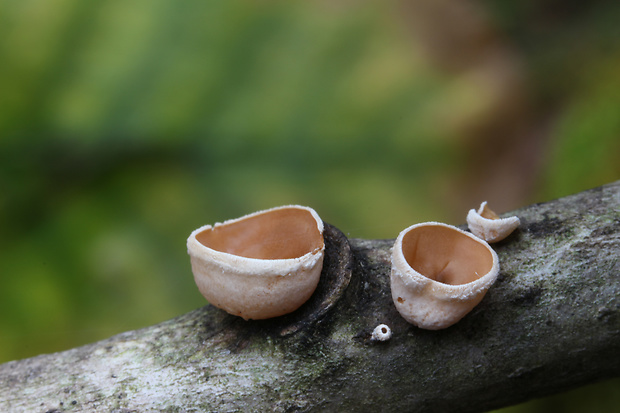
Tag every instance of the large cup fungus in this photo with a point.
(261, 265)
(439, 274)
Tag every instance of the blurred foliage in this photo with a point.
(124, 125)
(573, 54)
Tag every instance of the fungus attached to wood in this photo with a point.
(439, 273)
(261, 265)
(486, 224)
(381, 333)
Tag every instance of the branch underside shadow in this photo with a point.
(551, 322)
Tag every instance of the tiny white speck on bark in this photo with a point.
(381, 333)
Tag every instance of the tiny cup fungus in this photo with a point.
(485, 224)
(439, 274)
(381, 333)
(261, 265)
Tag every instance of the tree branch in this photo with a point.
(551, 322)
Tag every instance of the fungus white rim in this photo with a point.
(496, 221)
(224, 258)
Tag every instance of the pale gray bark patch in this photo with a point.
(551, 322)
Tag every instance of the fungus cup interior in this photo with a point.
(488, 213)
(275, 234)
(446, 255)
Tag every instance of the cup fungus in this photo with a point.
(439, 273)
(485, 224)
(381, 333)
(261, 265)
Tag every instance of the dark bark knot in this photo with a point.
(335, 278)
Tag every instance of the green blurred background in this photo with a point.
(124, 125)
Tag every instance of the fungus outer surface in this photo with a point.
(487, 225)
(381, 333)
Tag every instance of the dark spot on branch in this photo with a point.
(606, 230)
(527, 297)
(545, 227)
(335, 278)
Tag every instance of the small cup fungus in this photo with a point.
(261, 265)
(381, 333)
(485, 224)
(439, 274)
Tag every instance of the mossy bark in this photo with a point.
(551, 322)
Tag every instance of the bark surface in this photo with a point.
(551, 322)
